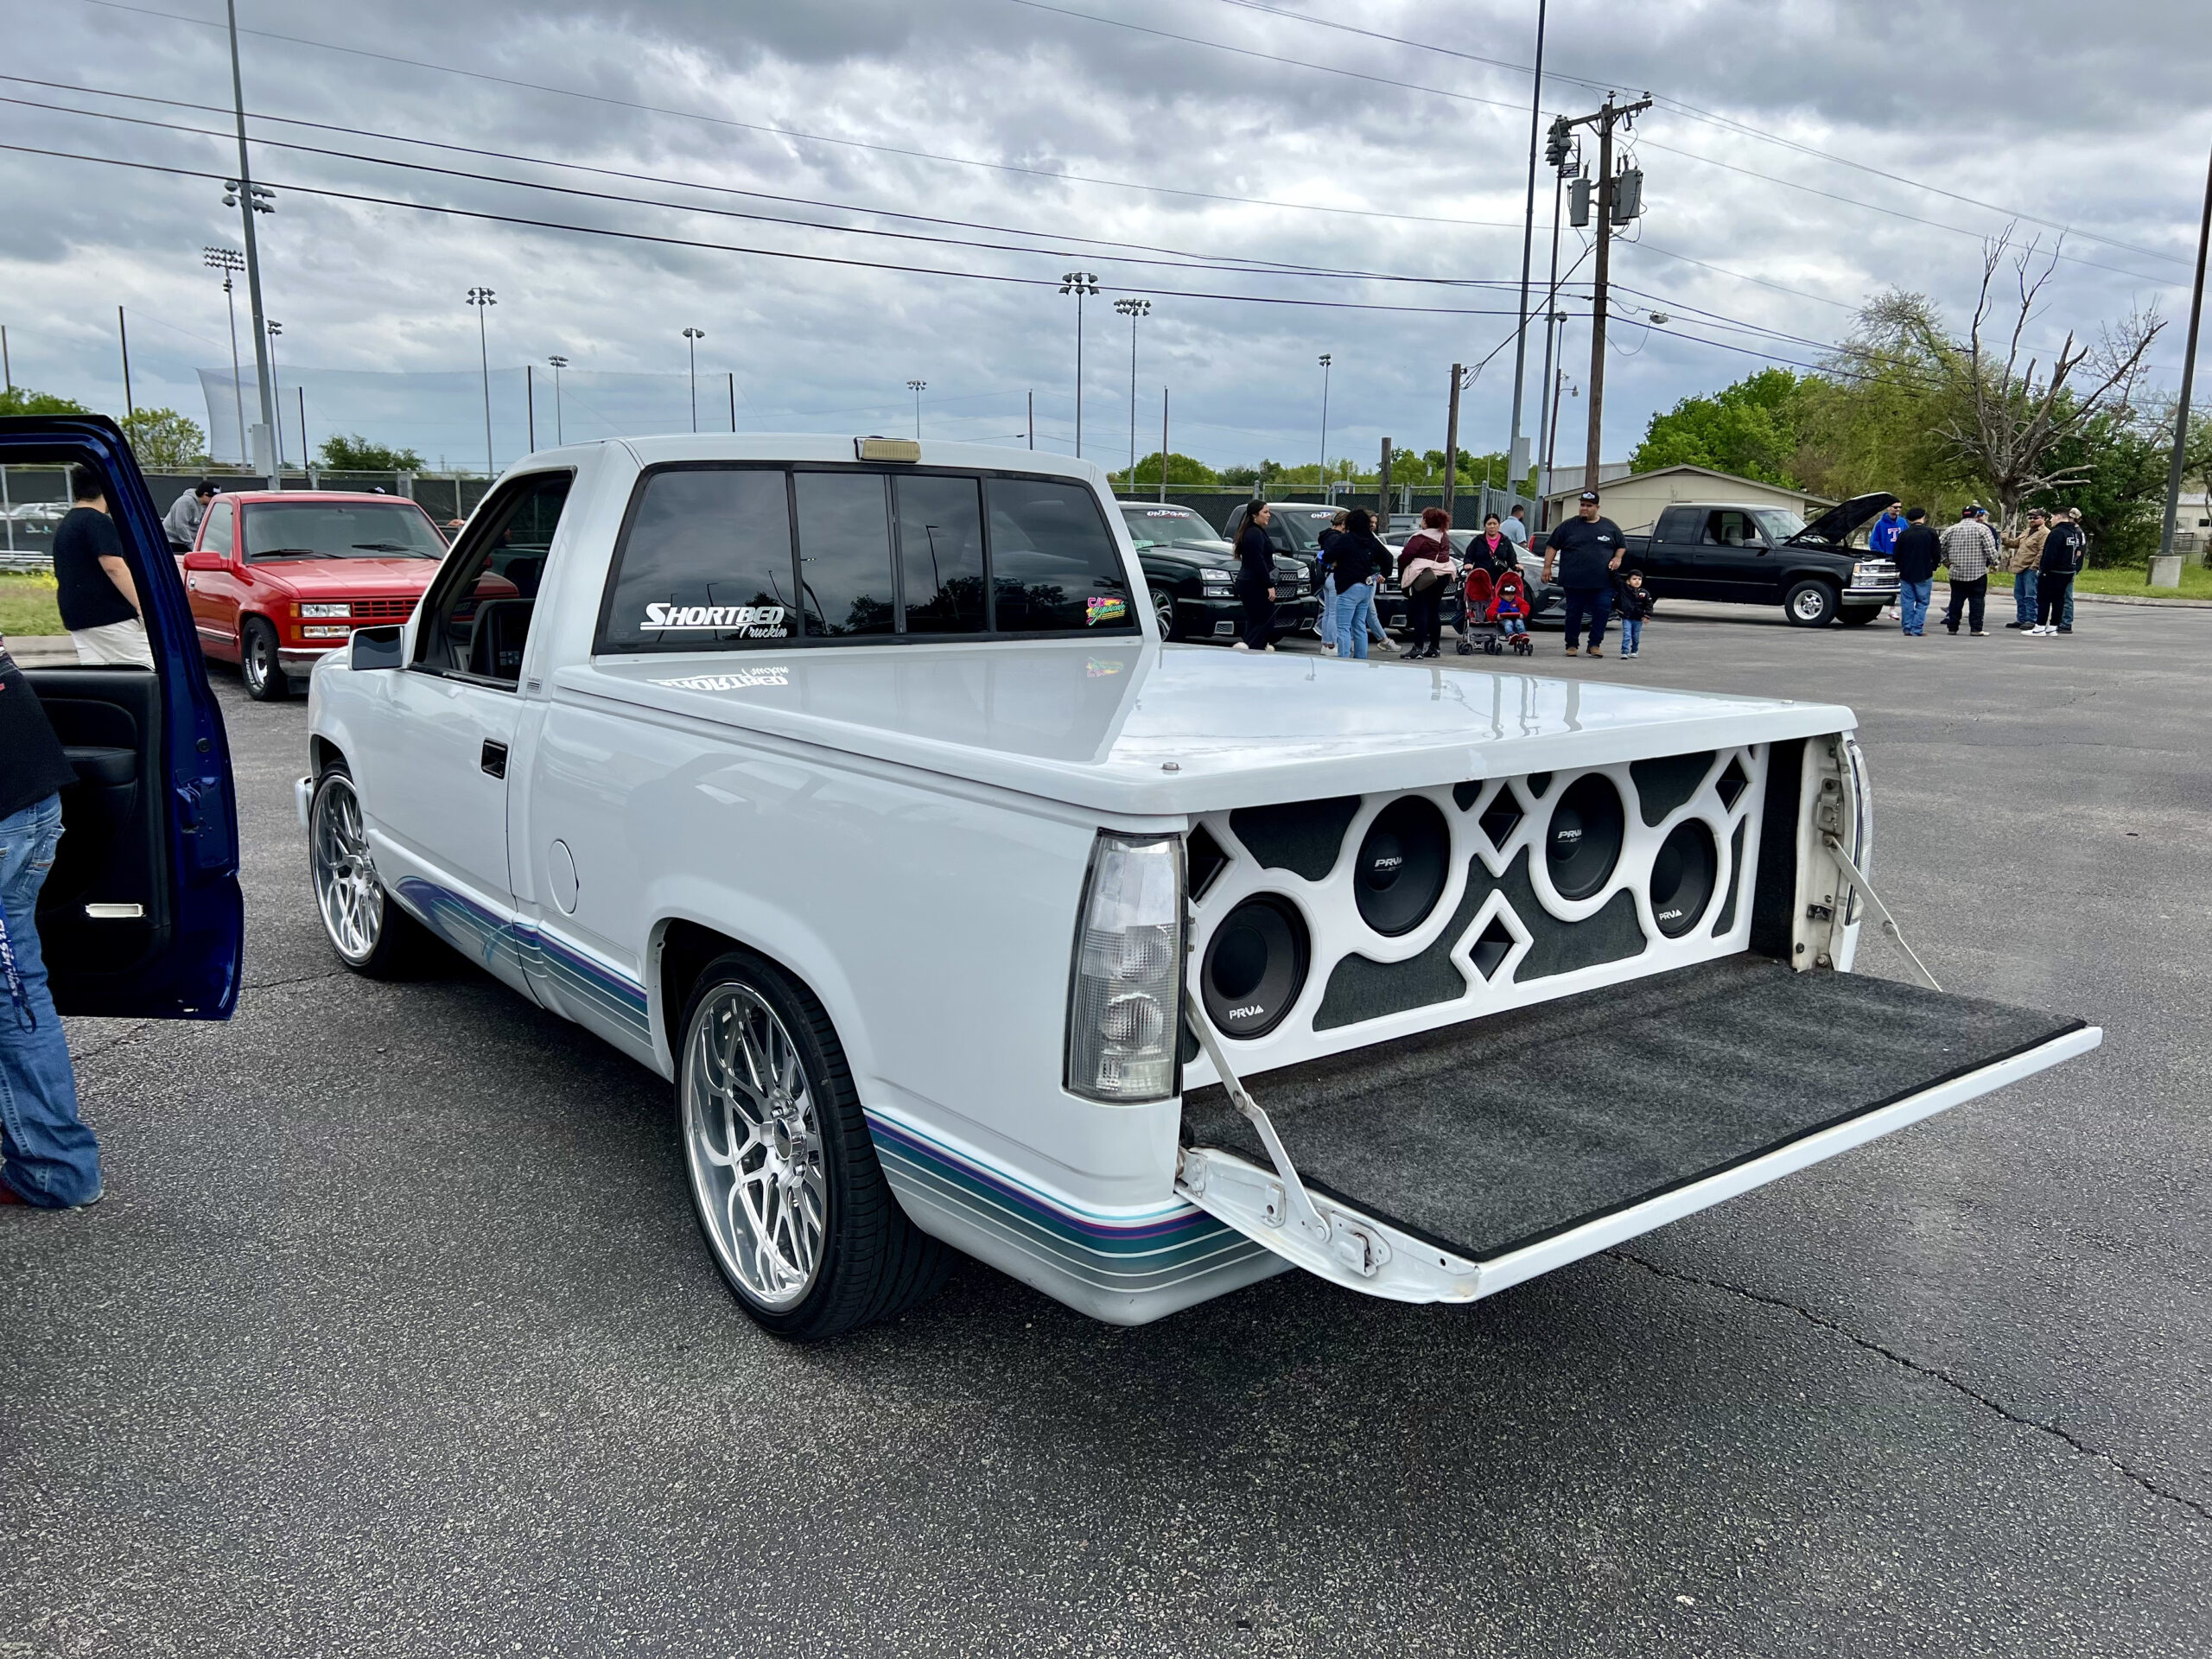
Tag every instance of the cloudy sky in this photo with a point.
(1225, 158)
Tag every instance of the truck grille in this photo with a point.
(387, 610)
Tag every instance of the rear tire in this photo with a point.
(1811, 604)
(786, 1185)
(368, 929)
(265, 679)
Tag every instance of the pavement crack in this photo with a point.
(1934, 1373)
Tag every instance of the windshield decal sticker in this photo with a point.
(737, 681)
(747, 621)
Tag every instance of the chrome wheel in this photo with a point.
(253, 662)
(347, 890)
(1163, 613)
(755, 1143)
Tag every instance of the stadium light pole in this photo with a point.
(1328, 494)
(691, 338)
(249, 198)
(483, 300)
(917, 387)
(227, 260)
(275, 328)
(559, 363)
(1079, 283)
(1132, 309)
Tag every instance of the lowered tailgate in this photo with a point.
(1449, 1166)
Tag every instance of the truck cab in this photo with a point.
(1756, 554)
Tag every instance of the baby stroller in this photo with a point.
(1477, 632)
(1497, 612)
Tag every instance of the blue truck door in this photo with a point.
(142, 915)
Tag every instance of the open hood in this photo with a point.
(1835, 527)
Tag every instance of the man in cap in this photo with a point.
(1968, 547)
(1586, 549)
(2024, 552)
(181, 522)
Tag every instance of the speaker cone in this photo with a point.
(1682, 878)
(1583, 842)
(1402, 864)
(1255, 967)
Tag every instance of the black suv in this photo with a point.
(1191, 575)
(1769, 556)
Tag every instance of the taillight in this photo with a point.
(1125, 991)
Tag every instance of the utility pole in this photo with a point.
(733, 402)
(1132, 309)
(917, 387)
(1033, 417)
(691, 338)
(1517, 453)
(1561, 156)
(483, 300)
(1451, 443)
(1612, 207)
(1327, 493)
(249, 198)
(1163, 443)
(1561, 387)
(559, 363)
(123, 336)
(1383, 487)
(2188, 380)
(529, 402)
(1079, 283)
(8, 369)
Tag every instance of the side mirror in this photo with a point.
(375, 647)
(201, 559)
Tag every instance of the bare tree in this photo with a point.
(2013, 414)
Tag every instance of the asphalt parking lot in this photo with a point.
(394, 1335)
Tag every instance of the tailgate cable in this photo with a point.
(1889, 923)
(1353, 1247)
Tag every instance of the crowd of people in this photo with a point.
(2043, 559)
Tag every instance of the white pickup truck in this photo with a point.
(845, 782)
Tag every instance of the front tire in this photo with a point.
(784, 1182)
(1811, 604)
(370, 932)
(1163, 613)
(265, 679)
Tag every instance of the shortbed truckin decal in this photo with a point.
(749, 621)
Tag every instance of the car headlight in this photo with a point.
(1125, 992)
(1864, 572)
(1215, 578)
(326, 610)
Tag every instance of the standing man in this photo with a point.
(2081, 562)
(1968, 547)
(2061, 556)
(49, 1159)
(98, 599)
(1918, 552)
(1882, 540)
(180, 524)
(1516, 528)
(2024, 553)
(1586, 549)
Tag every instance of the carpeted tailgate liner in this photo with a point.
(1486, 1136)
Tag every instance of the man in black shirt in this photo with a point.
(49, 1159)
(1586, 549)
(97, 598)
(1918, 553)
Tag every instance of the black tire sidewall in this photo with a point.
(275, 686)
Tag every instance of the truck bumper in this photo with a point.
(1223, 617)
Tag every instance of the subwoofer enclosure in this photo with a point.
(1255, 966)
(1682, 877)
(1404, 860)
(1582, 841)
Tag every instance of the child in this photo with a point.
(1509, 607)
(1633, 605)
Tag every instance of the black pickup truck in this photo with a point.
(1769, 556)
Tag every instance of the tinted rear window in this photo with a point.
(707, 560)
(1053, 566)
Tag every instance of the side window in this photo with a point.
(941, 554)
(217, 538)
(1053, 566)
(1728, 527)
(705, 562)
(844, 554)
(476, 617)
(1678, 525)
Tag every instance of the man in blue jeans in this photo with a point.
(1586, 551)
(49, 1159)
(1917, 552)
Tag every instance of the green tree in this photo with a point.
(22, 400)
(1750, 429)
(344, 453)
(1182, 472)
(165, 442)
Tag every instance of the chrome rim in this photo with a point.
(1163, 611)
(755, 1146)
(256, 662)
(1811, 603)
(347, 890)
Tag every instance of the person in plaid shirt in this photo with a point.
(1968, 548)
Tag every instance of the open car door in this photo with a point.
(142, 915)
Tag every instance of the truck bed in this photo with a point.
(1487, 1137)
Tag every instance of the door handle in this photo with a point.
(495, 757)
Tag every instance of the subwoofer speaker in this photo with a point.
(1402, 864)
(1682, 877)
(1583, 841)
(1255, 967)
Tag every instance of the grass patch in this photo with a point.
(27, 604)
(2196, 583)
